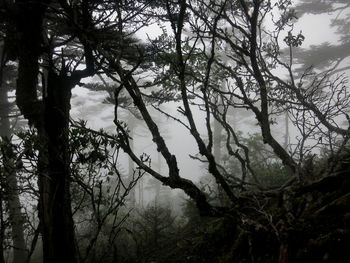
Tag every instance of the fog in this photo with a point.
(91, 106)
(229, 142)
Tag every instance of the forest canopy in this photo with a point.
(269, 118)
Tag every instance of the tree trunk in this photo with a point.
(2, 229)
(283, 253)
(286, 133)
(11, 185)
(131, 166)
(217, 155)
(15, 216)
(2, 223)
(51, 118)
(55, 200)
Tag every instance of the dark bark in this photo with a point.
(29, 21)
(203, 149)
(174, 180)
(55, 201)
(50, 117)
(263, 114)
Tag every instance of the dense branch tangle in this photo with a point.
(219, 57)
(174, 180)
(218, 49)
(248, 51)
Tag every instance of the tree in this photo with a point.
(58, 37)
(132, 117)
(99, 189)
(155, 231)
(10, 183)
(227, 40)
(249, 78)
(232, 39)
(49, 114)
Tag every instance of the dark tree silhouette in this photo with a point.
(217, 57)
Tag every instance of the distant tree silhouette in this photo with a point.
(327, 55)
(9, 183)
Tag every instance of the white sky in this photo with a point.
(316, 29)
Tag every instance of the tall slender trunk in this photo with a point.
(217, 140)
(2, 228)
(141, 197)
(286, 133)
(131, 167)
(157, 183)
(2, 222)
(15, 216)
(159, 168)
(217, 132)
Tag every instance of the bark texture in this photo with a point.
(50, 116)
